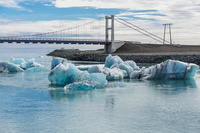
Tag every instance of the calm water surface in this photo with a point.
(30, 104)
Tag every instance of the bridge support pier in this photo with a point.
(108, 48)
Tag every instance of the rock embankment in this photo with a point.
(74, 54)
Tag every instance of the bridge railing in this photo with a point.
(53, 39)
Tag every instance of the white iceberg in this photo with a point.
(170, 69)
(70, 75)
(9, 67)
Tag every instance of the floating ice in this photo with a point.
(18, 61)
(115, 68)
(36, 68)
(132, 64)
(68, 74)
(114, 73)
(9, 67)
(59, 74)
(170, 69)
(19, 65)
(111, 73)
(55, 62)
(96, 69)
(30, 63)
(111, 60)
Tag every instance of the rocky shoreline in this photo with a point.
(99, 56)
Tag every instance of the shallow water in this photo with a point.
(30, 104)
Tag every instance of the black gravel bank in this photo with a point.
(99, 56)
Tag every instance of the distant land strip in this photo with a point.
(140, 53)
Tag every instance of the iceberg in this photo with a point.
(9, 67)
(170, 69)
(68, 74)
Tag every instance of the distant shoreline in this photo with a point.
(140, 53)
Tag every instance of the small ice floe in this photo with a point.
(10, 67)
(20, 65)
(18, 61)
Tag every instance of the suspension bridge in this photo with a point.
(97, 32)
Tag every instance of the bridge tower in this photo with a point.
(108, 47)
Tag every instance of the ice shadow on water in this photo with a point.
(59, 94)
(172, 86)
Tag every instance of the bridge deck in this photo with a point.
(57, 41)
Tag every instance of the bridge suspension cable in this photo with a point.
(140, 30)
(84, 30)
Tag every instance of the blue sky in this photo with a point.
(21, 16)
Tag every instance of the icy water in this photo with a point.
(30, 104)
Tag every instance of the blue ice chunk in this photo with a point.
(18, 61)
(55, 62)
(73, 73)
(68, 74)
(9, 67)
(170, 69)
(111, 60)
(59, 74)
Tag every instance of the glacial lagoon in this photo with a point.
(30, 103)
